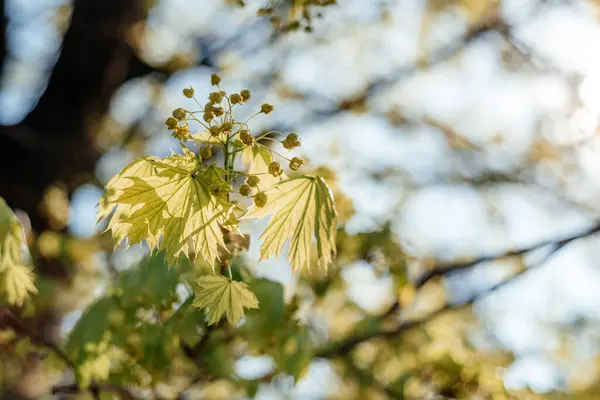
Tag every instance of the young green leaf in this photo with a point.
(169, 203)
(257, 158)
(221, 295)
(16, 277)
(303, 212)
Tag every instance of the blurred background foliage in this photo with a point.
(459, 137)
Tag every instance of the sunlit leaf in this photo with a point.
(223, 296)
(168, 202)
(304, 213)
(16, 277)
(89, 328)
(257, 158)
(17, 282)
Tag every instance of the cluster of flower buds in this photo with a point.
(218, 119)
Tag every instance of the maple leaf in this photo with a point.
(16, 277)
(303, 213)
(257, 158)
(168, 203)
(17, 281)
(223, 296)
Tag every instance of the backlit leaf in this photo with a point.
(168, 203)
(257, 158)
(303, 213)
(16, 277)
(223, 296)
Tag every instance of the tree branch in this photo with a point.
(73, 387)
(345, 346)
(442, 270)
(37, 338)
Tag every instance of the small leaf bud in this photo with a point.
(275, 169)
(215, 131)
(215, 79)
(296, 163)
(245, 94)
(245, 190)
(208, 116)
(260, 199)
(246, 137)
(188, 92)
(215, 97)
(266, 108)
(179, 114)
(253, 180)
(171, 123)
(236, 98)
(226, 127)
(291, 141)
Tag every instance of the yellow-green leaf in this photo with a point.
(303, 213)
(205, 137)
(223, 296)
(16, 277)
(257, 158)
(17, 282)
(168, 203)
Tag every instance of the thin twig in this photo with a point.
(40, 339)
(345, 346)
(441, 270)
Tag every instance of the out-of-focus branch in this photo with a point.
(441, 270)
(69, 388)
(343, 347)
(95, 388)
(439, 56)
(35, 337)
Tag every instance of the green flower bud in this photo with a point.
(188, 92)
(215, 131)
(171, 123)
(208, 116)
(246, 137)
(291, 141)
(206, 152)
(218, 111)
(245, 190)
(260, 199)
(179, 113)
(253, 180)
(215, 97)
(296, 163)
(226, 127)
(236, 98)
(208, 106)
(266, 108)
(245, 94)
(275, 169)
(215, 79)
